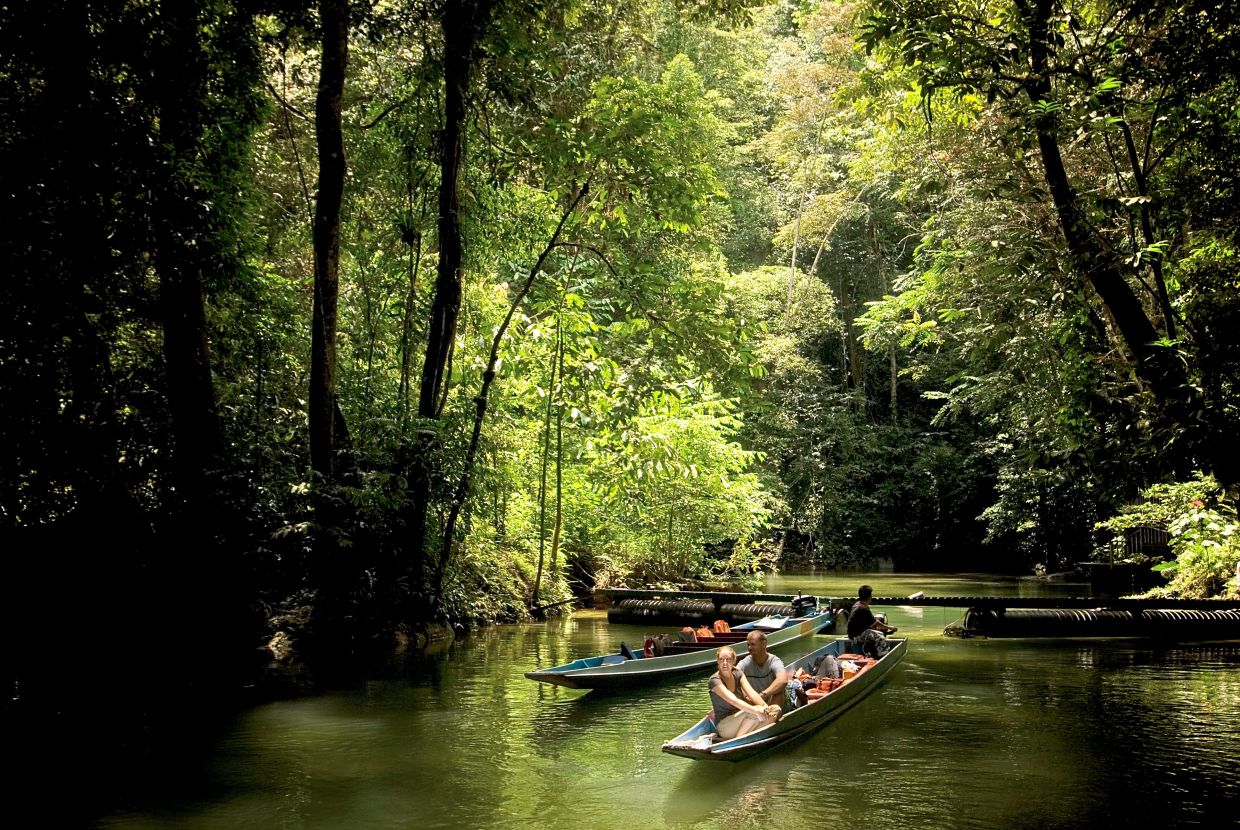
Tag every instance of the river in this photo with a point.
(965, 734)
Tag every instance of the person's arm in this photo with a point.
(775, 691)
(744, 705)
(760, 704)
(882, 626)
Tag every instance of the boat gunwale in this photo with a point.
(643, 669)
(795, 723)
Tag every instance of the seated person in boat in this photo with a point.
(868, 633)
(764, 671)
(739, 709)
(804, 680)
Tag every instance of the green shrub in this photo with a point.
(1203, 528)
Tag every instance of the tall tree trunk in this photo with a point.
(1097, 262)
(333, 576)
(463, 23)
(854, 364)
(546, 459)
(1147, 227)
(211, 600)
(330, 136)
(461, 492)
(178, 257)
(894, 374)
(884, 267)
(559, 466)
(413, 239)
(845, 362)
(796, 243)
(406, 327)
(792, 264)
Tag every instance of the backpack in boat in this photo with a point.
(661, 642)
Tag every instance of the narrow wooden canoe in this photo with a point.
(612, 671)
(697, 742)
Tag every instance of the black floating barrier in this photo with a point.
(1078, 622)
(690, 611)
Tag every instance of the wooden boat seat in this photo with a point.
(700, 645)
(726, 638)
(722, 638)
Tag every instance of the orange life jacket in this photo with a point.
(721, 627)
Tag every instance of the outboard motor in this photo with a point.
(802, 605)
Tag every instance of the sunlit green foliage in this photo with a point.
(766, 284)
(670, 486)
(1081, 410)
(1204, 531)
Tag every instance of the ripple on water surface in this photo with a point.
(964, 734)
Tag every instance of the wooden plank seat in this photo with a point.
(723, 639)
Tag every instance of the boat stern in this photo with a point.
(555, 679)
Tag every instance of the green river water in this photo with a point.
(964, 734)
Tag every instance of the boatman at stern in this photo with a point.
(765, 671)
(868, 633)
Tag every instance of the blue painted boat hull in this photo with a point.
(611, 671)
(797, 723)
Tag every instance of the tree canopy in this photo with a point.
(340, 319)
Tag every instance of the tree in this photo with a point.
(1090, 88)
(464, 26)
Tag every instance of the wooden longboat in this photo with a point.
(614, 671)
(698, 743)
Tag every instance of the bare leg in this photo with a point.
(753, 722)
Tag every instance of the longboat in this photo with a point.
(616, 671)
(700, 743)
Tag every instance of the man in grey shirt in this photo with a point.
(765, 671)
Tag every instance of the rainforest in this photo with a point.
(327, 328)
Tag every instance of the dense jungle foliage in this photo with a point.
(340, 319)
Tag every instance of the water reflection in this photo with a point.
(965, 734)
(728, 795)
